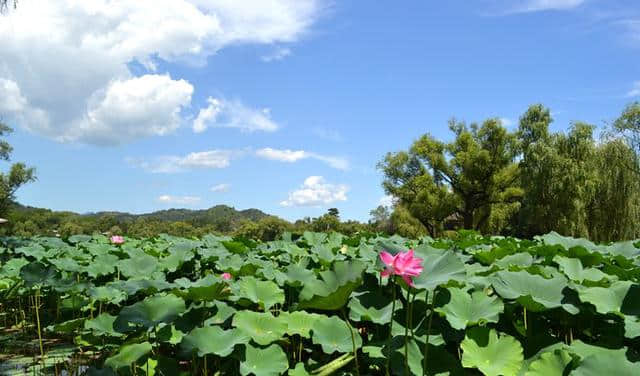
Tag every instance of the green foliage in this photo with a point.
(485, 305)
(467, 178)
(18, 175)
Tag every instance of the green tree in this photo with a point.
(381, 219)
(18, 174)
(470, 176)
(334, 212)
(627, 126)
(558, 175)
(615, 208)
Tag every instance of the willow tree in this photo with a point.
(614, 213)
(474, 177)
(558, 175)
(627, 126)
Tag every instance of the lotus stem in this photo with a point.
(426, 342)
(406, 332)
(37, 307)
(353, 342)
(333, 366)
(393, 310)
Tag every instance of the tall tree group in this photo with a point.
(523, 182)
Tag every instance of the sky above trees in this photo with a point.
(285, 105)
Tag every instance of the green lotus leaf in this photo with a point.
(102, 265)
(68, 326)
(553, 238)
(11, 268)
(549, 364)
(178, 255)
(34, 250)
(128, 355)
(262, 327)
(625, 249)
(107, 294)
(573, 269)
(333, 335)
(213, 340)
(606, 299)
(298, 275)
(466, 309)
(522, 260)
(208, 288)
(299, 322)
(102, 325)
(370, 306)
(534, 292)
(141, 265)
(133, 286)
(169, 334)
(314, 238)
(606, 363)
(584, 350)
(265, 293)
(264, 361)
(492, 355)
(332, 291)
(299, 370)
(439, 270)
(75, 239)
(67, 265)
(37, 273)
(631, 327)
(149, 313)
(222, 313)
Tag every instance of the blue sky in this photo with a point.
(285, 105)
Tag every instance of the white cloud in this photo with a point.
(635, 90)
(179, 200)
(171, 164)
(139, 107)
(540, 5)
(221, 188)
(315, 191)
(506, 122)
(290, 156)
(386, 200)
(66, 62)
(233, 114)
(279, 54)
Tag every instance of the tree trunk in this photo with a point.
(468, 220)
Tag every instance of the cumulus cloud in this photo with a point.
(221, 188)
(210, 159)
(279, 54)
(65, 63)
(233, 114)
(290, 156)
(315, 191)
(179, 200)
(635, 90)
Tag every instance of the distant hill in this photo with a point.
(200, 216)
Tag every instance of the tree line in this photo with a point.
(523, 182)
(487, 178)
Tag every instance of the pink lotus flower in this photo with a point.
(226, 276)
(117, 239)
(404, 264)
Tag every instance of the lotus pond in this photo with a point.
(318, 304)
